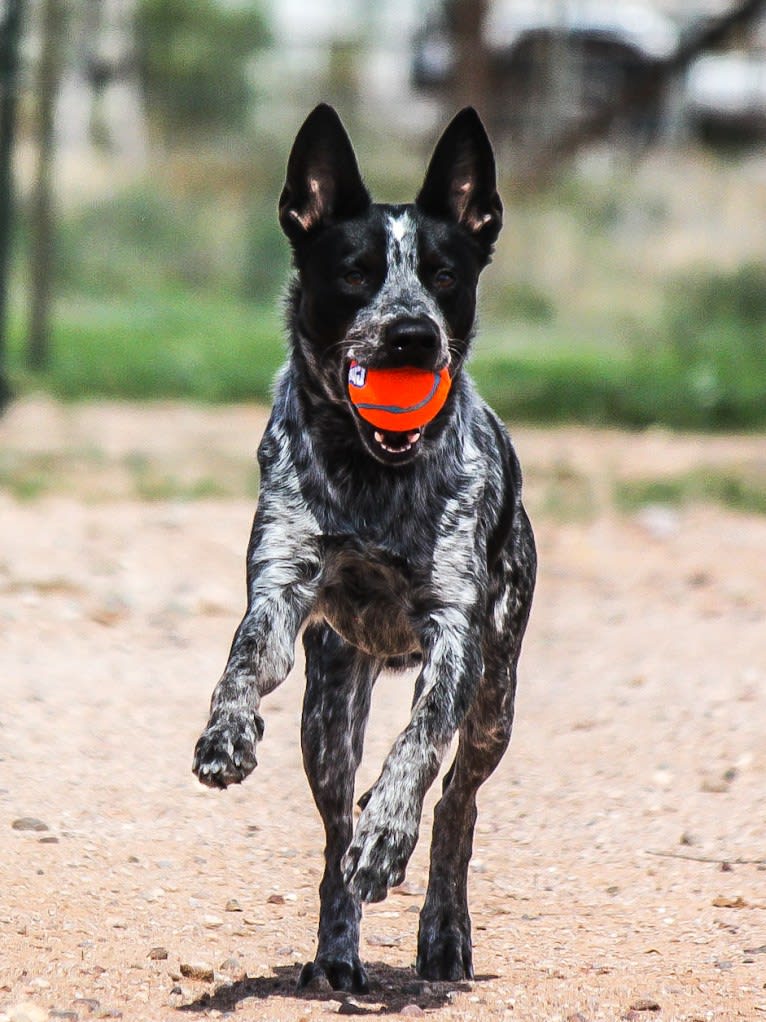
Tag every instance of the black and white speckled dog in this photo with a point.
(391, 548)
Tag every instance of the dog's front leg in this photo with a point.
(283, 569)
(261, 657)
(387, 830)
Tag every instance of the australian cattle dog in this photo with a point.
(387, 549)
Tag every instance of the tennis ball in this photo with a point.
(398, 400)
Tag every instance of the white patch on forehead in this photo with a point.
(402, 254)
(398, 225)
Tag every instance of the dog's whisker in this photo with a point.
(342, 346)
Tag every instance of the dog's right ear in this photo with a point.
(323, 180)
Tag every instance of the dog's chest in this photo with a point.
(367, 595)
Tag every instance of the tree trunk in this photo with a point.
(471, 83)
(10, 32)
(42, 219)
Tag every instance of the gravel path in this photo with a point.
(620, 861)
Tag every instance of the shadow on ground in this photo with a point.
(391, 989)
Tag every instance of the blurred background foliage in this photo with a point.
(629, 284)
(192, 61)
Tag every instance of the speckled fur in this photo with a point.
(384, 560)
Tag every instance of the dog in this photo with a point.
(388, 549)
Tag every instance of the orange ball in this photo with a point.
(398, 400)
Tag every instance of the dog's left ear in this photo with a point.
(460, 183)
(323, 181)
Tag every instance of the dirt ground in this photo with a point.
(620, 858)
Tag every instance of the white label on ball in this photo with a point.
(357, 376)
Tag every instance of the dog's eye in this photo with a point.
(444, 279)
(354, 278)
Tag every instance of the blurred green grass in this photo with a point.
(164, 345)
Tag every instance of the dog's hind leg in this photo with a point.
(444, 935)
(339, 680)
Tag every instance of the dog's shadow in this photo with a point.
(391, 989)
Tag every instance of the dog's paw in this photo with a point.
(225, 751)
(338, 973)
(376, 860)
(444, 951)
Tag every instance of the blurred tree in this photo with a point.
(106, 59)
(10, 31)
(730, 23)
(465, 24)
(42, 213)
(193, 60)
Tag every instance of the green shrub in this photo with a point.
(713, 338)
(700, 367)
(140, 239)
(266, 256)
(708, 300)
(145, 241)
(519, 300)
(193, 59)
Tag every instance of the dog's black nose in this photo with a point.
(412, 342)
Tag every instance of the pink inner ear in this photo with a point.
(462, 192)
(475, 223)
(312, 214)
(461, 195)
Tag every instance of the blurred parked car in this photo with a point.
(551, 62)
(725, 97)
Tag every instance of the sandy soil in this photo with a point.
(620, 860)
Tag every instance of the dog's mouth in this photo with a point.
(396, 443)
(388, 446)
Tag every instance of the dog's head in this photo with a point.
(382, 285)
